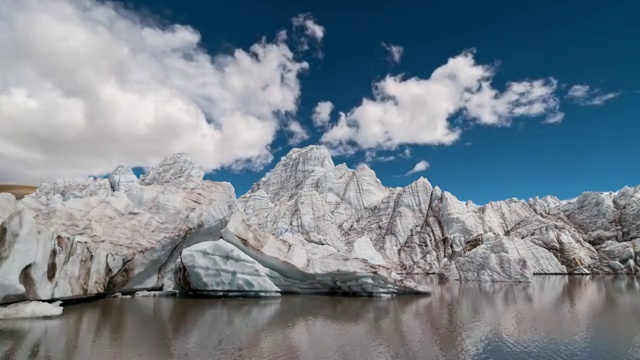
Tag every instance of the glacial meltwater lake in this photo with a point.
(556, 317)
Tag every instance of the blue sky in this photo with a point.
(593, 43)
(593, 148)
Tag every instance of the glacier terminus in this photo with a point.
(308, 227)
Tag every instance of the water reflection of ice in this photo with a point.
(563, 317)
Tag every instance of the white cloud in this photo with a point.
(312, 31)
(601, 99)
(311, 28)
(421, 166)
(298, 133)
(85, 86)
(523, 98)
(417, 111)
(372, 156)
(584, 95)
(395, 52)
(554, 118)
(343, 150)
(578, 91)
(322, 113)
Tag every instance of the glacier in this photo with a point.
(308, 226)
(84, 238)
(310, 203)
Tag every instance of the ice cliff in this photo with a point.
(308, 211)
(81, 238)
(309, 226)
(252, 261)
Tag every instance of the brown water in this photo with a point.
(554, 318)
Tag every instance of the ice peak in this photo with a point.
(421, 182)
(173, 168)
(122, 179)
(301, 162)
(364, 168)
(298, 166)
(317, 155)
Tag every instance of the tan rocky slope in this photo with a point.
(19, 191)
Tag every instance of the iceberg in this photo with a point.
(30, 309)
(254, 263)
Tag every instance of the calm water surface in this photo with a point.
(553, 318)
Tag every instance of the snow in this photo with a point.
(30, 309)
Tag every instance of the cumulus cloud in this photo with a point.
(322, 113)
(297, 133)
(395, 52)
(421, 166)
(86, 85)
(312, 32)
(417, 111)
(584, 95)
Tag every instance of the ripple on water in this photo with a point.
(556, 317)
